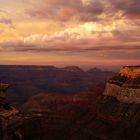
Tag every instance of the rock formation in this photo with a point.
(12, 121)
(113, 115)
(3, 88)
(130, 71)
(27, 81)
(7, 113)
(125, 86)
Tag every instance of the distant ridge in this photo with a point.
(94, 70)
(32, 80)
(73, 69)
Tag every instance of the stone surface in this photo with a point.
(123, 94)
(27, 81)
(79, 117)
(130, 71)
(126, 86)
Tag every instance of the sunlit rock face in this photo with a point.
(125, 86)
(130, 71)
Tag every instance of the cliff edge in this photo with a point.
(130, 71)
(125, 86)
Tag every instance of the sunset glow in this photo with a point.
(73, 32)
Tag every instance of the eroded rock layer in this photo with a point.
(130, 71)
(125, 86)
(85, 116)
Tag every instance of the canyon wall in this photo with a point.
(27, 81)
(123, 94)
(130, 71)
(125, 86)
(78, 116)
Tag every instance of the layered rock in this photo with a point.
(80, 117)
(28, 81)
(130, 71)
(125, 86)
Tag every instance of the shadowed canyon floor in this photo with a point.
(96, 114)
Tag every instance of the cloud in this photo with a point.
(130, 8)
(80, 48)
(65, 10)
(72, 42)
(5, 18)
(4, 12)
(6, 21)
(83, 10)
(127, 36)
(128, 55)
(87, 39)
(1, 30)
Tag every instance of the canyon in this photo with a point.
(27, 81)
(110, 112)
(125, 86)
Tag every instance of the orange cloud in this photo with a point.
(88, 30)
(66, 13)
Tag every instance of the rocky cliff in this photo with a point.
(126, 85)
(86, 116)
(17, 126)
(130, 71)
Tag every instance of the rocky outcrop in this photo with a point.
(17, 126)
(130, 71)
(125, 86)
(123, 94)
(8, 116)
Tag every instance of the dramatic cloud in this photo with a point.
(130, 8)
(65, 10)
(83, 10)
(84, 38)
(84, 28)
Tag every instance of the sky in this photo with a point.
(70, 32)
